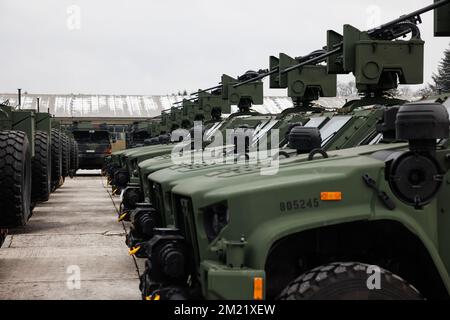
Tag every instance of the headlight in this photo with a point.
(215, 218)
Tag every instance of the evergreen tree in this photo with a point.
(441, 79)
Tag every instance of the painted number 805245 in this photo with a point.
(299, 204)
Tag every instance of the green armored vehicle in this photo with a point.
(237, 233)
(64, 152)
(353, 125)
(381, 210)
(25, 165)
(94, 144)
(209, 108)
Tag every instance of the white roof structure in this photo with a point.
(124, 106)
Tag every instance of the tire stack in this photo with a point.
(15, 179)
(74, 160)
(64, 158)
(26, 181)
(56, 159)
(41, 166)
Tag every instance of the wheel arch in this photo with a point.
(387, 243)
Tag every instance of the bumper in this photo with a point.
(91, 161)
(221, 282)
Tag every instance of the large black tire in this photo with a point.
(15, 179)
(74, 160)
(348, 281)
(41, 180)
(65, 143)
(3, 234)
(56, 159)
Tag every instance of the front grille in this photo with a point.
(158, 202)
(185, 222)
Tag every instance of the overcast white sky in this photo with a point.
(161, 47)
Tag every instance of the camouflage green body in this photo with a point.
(442, 21)
(259, 219)
(44, 123)
(304, 84)
(244, 96)
(272, 223)
(208, 101)
(133, 159)
(156, 183)
(251, 93)
(375, 62)
(20, 120)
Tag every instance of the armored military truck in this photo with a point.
(25, 164)
(211, 104)
(64, 154)
(94, 144)
(234, 229)
(355, 124)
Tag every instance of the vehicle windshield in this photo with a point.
(141, 135)
(315, 122)
(91, 136)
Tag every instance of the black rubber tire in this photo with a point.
(41, 180)
(15, 179)
(56, 158)
(65, 143)
(347, 281)
(74, 160)
(3, 234)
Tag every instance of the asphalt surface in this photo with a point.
(72, 248)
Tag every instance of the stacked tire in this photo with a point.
(65, 159)
(15, 179)
(56, 159)
(41, 166)
(74, 160)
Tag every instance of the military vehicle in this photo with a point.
(64, 154)
(209, 111)
(137, 133)
(126, 164)
(94, 144)
(352, 126)
(312, 81)
(212, 105)
(17, 132)
(41, 163)
(25, 164)
(74, 164)
(234, 229)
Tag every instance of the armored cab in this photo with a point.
(94, 144)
